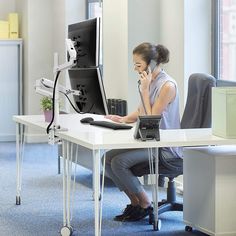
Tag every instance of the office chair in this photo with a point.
(197, 114)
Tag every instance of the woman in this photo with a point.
(159, 96)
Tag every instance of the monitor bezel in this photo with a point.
(76, 26)
(100, 84)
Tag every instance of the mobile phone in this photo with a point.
(152, 66)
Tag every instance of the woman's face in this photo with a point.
(139, 64)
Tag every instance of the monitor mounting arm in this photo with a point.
(57, 69)
(42, 86)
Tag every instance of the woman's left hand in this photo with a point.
(145, 79)
(115, 118)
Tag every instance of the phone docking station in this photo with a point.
(147, 128)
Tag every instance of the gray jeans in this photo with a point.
(119, 162)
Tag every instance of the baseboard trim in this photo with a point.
(7, 138)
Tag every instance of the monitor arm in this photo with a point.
(57, 88)
(72, 57)
(43, 87)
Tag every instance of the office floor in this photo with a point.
(40, 213)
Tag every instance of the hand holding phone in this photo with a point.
(145, 76)
(152, 65)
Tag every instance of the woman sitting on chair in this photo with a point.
(159, 97)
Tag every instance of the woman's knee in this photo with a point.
(112, 154)
(118, 163)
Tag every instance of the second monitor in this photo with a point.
(88, 82)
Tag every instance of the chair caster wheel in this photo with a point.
(188, 228)
(157, 225)
(66, 231)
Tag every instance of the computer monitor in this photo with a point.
(86, 35)
(89, 83)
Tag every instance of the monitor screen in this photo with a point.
(89, 83)
(85, 34)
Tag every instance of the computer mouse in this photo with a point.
(86, 120)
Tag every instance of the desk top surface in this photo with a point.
(94, 137)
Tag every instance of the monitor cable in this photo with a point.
(53, 101)
(141, 96)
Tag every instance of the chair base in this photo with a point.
(165, 206)
(169, 206)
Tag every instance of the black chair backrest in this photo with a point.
(197, 112)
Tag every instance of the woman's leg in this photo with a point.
(120, 166)
(110, 155)
(118, 163)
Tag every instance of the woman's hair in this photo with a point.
(148, 52)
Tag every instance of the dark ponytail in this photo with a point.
(162, 55)
(149, 52)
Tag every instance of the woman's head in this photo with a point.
(145, 52)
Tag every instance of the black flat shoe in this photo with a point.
(139, 213)
(129, 208)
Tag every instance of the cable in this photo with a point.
(141, 96)
(78, 111)
(53, 101)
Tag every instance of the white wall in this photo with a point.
(185, 28)
(172, 36)
(76, 11)
(115, 48)
(140, 29)
(124, 27)
(197, 40)
(6, 6)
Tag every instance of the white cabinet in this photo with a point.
(209, 189)
(10, 86)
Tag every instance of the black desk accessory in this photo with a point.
(105, 124)
(110, 125)
(147, 128)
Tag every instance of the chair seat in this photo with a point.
(141, 169)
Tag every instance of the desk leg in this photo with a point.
(19, 158)
(97, 197)
(157, 222)
(67, 157)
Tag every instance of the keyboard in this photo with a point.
(110, 125)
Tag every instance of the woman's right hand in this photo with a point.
(115, 118)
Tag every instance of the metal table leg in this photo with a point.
(66, 230)
(19, 159)
(154, 152)
(97, 193)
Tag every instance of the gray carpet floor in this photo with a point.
(40, 213)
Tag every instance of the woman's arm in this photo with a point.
(166, 96)
(131, 118)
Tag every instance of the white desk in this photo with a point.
(96, 139)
